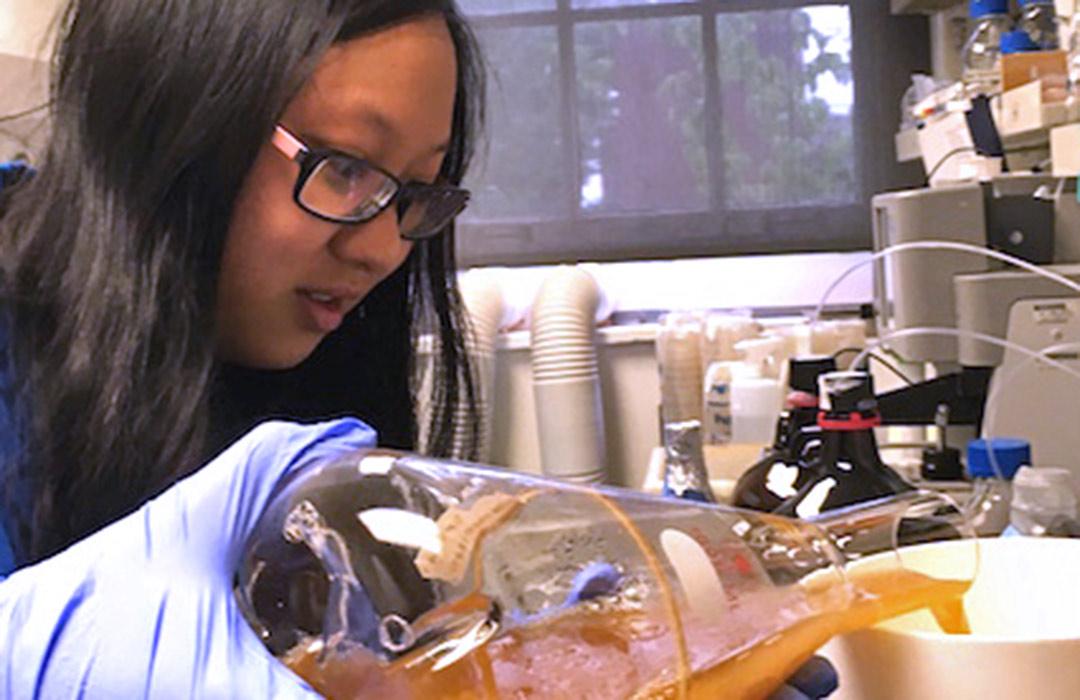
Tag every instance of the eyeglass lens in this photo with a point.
(349, 189)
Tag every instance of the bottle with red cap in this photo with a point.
(782, 470)
(848, 467)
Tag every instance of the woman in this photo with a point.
(164, 193)
(244, 212)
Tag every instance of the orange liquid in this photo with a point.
(758, 671)
(583, 654)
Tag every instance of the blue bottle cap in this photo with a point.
(1009, 455)
(1017, 41)
(981, 8)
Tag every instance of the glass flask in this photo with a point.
(387, 574)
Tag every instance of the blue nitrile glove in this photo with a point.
(816, 679)
(13, 172)
(145, 607)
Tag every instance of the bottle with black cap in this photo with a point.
(782, 470)
(941, 462)
(848, 468)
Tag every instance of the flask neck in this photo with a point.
(886, 526)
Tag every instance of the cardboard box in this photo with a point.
(1051, 67)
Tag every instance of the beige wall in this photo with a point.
(25, 26)
(23, 85)
(25, 32)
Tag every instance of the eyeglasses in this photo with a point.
(344, 189)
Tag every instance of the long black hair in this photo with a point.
(111, 255)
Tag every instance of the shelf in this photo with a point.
(1024, 119)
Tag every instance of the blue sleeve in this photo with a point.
(8, 447)
(7, 557)
(14, 172)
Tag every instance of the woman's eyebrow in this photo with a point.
(387, 131)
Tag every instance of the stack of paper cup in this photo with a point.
(721, 331)
(830, 337)
(678, 354)
(796, 337)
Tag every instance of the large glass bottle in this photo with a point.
(1038, 19)
(783, 469)
(992, 464)
(848, 467)
(981, 54)
(389, 575)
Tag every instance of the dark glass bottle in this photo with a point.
(782, 469)
(848, 468)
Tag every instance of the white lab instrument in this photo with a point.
(1034, 217)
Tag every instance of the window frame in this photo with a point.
(886, 49)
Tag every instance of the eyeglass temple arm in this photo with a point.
(290, 146)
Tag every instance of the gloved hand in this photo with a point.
(14, 172)
(145, 607)
(816, 679)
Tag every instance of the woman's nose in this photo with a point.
(376, 244)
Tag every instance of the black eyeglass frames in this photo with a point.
(344, 189)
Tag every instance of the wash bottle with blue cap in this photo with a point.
(992, 464)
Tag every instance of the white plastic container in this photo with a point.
(756, 401)
(1025, 643)
(716, 418)
(1041, 498)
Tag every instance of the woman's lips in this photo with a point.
(324, 310)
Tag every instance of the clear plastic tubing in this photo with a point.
(998, 387)
(941, 245)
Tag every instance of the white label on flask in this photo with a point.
(376, 465)
(781, 479)
(811, 505)
(696, 574)
(460, 529)
(402, 527)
